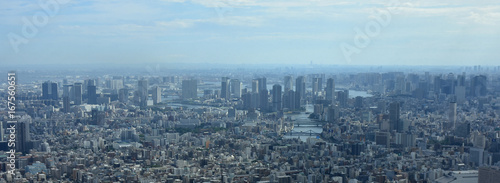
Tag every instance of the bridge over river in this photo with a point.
(302, 133)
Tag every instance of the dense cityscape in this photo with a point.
(308, 123)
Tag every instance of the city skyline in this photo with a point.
(223, 91)
(249, 124)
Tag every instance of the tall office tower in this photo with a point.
(189, 89)
(264, 101)
(330, 89)
(408, 87)
(86, 84)
(123, 95)
(437, 85)
(358, 102)
(23, 135)
(1, 131)
(66, 105)
(225, 92)
(116, 83)
(247, 100)
(399, 85)
(315, 86)
(288, 82)
(277, 103)
(452, 115)
(451, 83)
(394, 113)
(66, 90)
(91, 94)
(333, 114)
(142, 88)
(478, 86)
(108, 83)
(461, 79)
(77, 93)
(255, 86)
(262, 84)
(300, 87)
(91, 82)
(427, 77)
(254, 100)
(236, 88)
(289, 100)
(460, 94)
(320, 82)
(49, 91)
(156, 95)
(342, 98)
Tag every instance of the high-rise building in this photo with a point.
(478, 86)
(123, 95)
(264, 100)
(288, 83)
(330, 89)
(333, 114)
(77, 93)
(300, 87)
(394, 113)
(476, 156)
(460, 94)
(255, 86)
(23, 135)
(86, 83)
(452, 115)
(1, 131)
(142, 88)
(225, 92)
(300, 91)
(189, 89)
(358, 102)
(117, 83)
(277, 103)
(289, 100)
(488, 174)
(342, 97)
(254, 100)
(437, 84)
(66, 90)
(236, 88)
(49, 91)
(247, 100)
(91, 94)
(262, 84)
(315, 87)
(156, 95)
(66, 105)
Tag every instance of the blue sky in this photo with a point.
(419, 32)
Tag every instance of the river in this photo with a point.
(301, 120)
